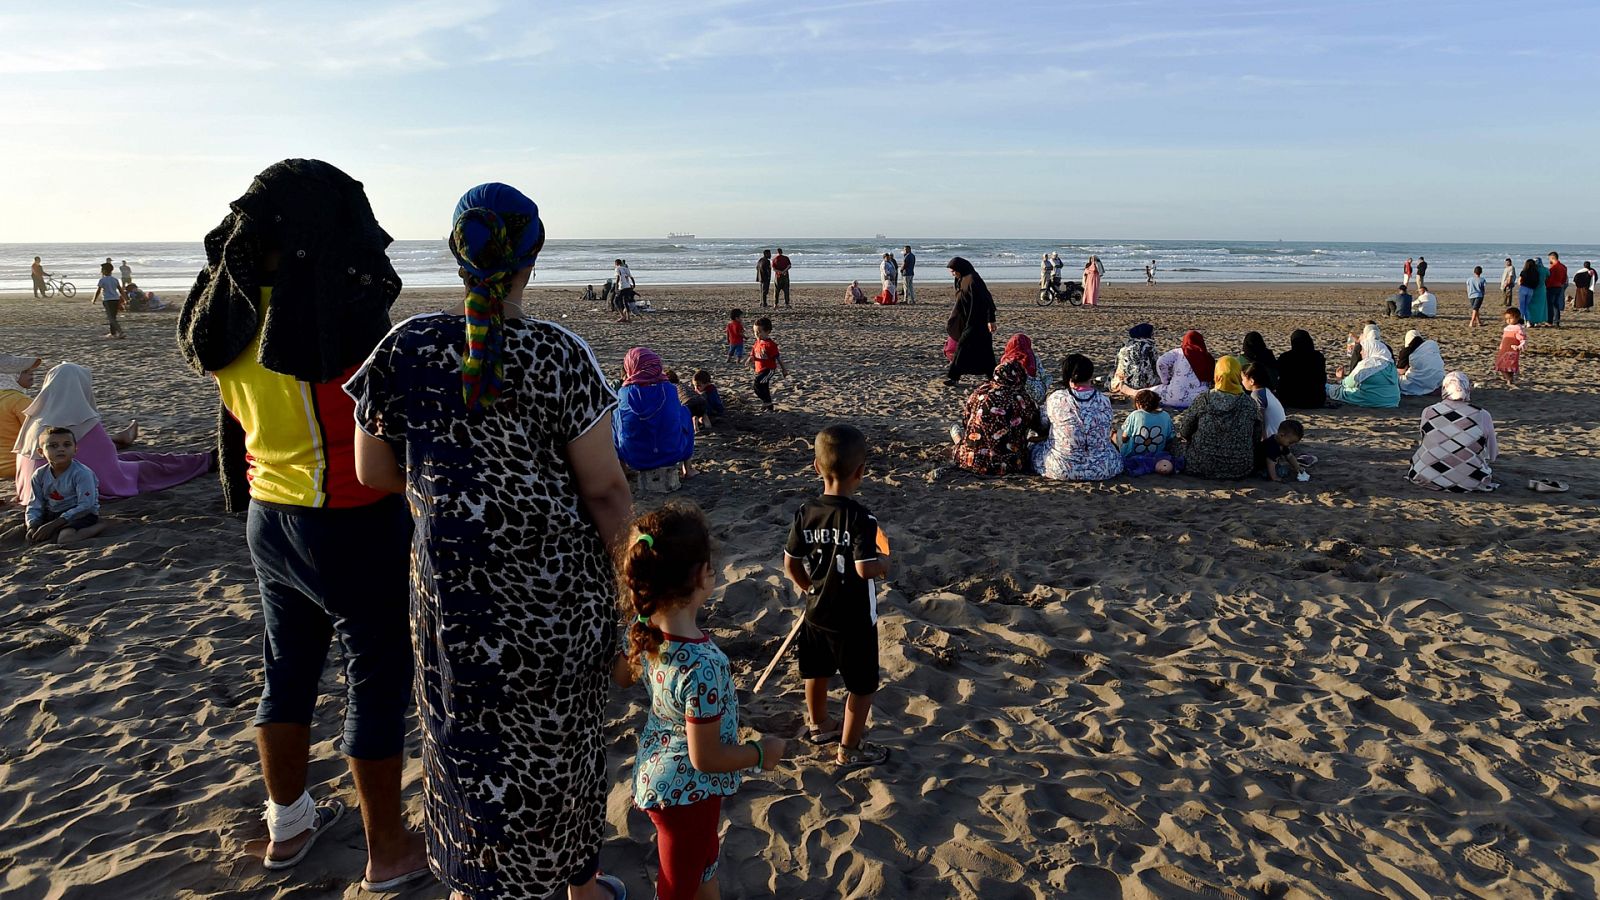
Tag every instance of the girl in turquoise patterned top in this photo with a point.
(690, 755)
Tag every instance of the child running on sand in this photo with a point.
(834, 555)
(1508, 360)
(689, 754)
(66, 495)
(767, 361)
(736, 335)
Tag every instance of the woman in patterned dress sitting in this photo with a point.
(1457, 442)
(992, 436)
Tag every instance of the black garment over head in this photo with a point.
(1256, 351)
(331, 293)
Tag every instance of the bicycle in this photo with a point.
(54, 285)
(1067, 292)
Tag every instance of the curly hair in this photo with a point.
(657, 570)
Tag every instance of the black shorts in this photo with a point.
(852, 654)
(81, 520)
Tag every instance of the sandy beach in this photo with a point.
(1146, 688)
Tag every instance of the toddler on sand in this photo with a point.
(1276, 456)
(1508, 360)
(767, 360)
(1144, 436)
(735, 335)
(689, 754)
(706, 388)
(65, 506)
(834, 556)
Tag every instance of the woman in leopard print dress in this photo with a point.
(498, 430)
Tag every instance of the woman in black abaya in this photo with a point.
(971, 324)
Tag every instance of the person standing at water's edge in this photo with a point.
(1405, 272)
(498, 429)
(780, 272)
(908, 270)
(126, 273)
(1584, 283)
(1092, 273)
(764, 274)
(295, 293)
(39, 275)
(1508, 284)
(971, 324)
(108, 290)
(1422, 273)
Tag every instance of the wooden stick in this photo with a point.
(772, 666)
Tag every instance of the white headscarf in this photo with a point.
(65, 401)
(1457, 387)
(1374, 355)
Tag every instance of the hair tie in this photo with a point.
(642, 620)
(647, 540)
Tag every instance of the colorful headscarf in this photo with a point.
(1457, 387)
(642, 367)
(1227, 375)
(496, 234)
(1020, 349)
(1200, 359)
(1010, 373)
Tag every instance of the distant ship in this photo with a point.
(880, 237)
(679, 236)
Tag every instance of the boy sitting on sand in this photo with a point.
(66, 495)
(705, 387)
(1276, 453)
(833, 557)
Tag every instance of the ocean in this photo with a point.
(171, 267)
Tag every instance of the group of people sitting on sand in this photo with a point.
(1231, 411)
(63, 459)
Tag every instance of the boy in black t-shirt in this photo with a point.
(833, 556)
(1276, 453)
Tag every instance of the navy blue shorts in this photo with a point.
(344, 573)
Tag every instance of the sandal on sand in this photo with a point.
(1306, 459)
(613, 884)
(820, 736)
(1547, 486)
(398, 883)
(327, 813)
(863, 754)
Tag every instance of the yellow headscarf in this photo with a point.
(1227, 375)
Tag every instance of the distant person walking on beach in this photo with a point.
(280, 334)
(780, 273)
(1092, 273)
(1150, 273)
(126, 273)
(625, 286)
(1422, 273)
(971, 324)
(908, 270)
(1406, 272)
(108, 290)
(764, 274)
(39, 275)
(891, 276)
(1475, 291)
(1508, 284)
(1556, 288)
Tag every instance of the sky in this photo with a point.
(1155, 119)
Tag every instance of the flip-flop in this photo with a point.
(1306, 459)
(1547, 485)
(619, 891)
(328, 812)
(397, 883)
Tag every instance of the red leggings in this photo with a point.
(686, 841)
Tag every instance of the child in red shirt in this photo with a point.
(767, 361)
(736, 336)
